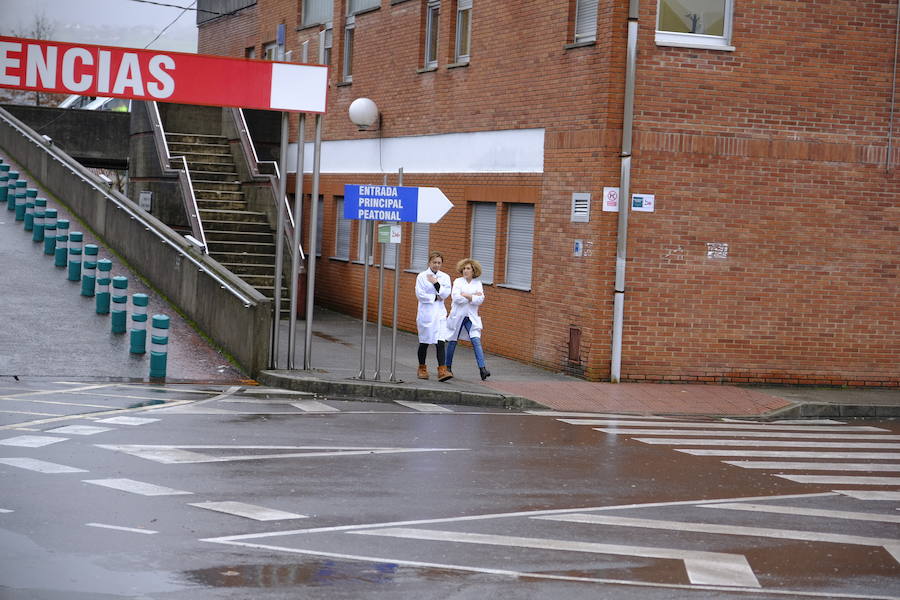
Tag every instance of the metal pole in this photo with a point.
(393, 377)
(313, 218)
(279, 240)
(365, 302)
(298, 226)
(624, 193)
(377, 375)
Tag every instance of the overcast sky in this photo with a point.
(128, 23)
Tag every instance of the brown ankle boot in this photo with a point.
(423, 372)
(444, 373)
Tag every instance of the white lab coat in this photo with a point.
(463, 307)
(431, 318)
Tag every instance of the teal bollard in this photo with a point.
(75, 239)
(159, 346)
(89, 272)
(50, 231)
(40, 213)
(11, 190)
(4, 184)
(104, 266)
(119, 303)
(20, 199)
(61, 255)
(30, 196)
(139, 304)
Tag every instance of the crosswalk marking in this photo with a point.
(250, 511)
(806, 512)
(31, 441)
(120, 528)
(889, 544)
(5, 510)
(842, 480)
(791, 454)
(79, 430)
(711, 442)
(127, 420)
(422, 406)
(708, 568)
(554, 413)
(871, 494)
(313, 406)
(759, 434)
(136, 487)
(40, 466)
(187, 453)
(720, 425)
(812, 466)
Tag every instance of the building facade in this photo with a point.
(762, 139)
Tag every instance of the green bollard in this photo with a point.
(50, 231)
(159, 346)
(119, 303)
(61, 257)
(4, 184)
(40, 211)
(75, 239)
(139, 304)
(104, 266)
(11, 190)
(20, 199)
(30, 196)
(89, 274)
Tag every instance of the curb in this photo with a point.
(847, 411)
(390, 392)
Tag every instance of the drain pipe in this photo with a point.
(624, 192)
(890, 142)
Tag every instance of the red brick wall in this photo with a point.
(777, 149)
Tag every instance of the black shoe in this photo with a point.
(484, 373)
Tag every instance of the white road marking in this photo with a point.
(870, 494)
(256, 391)
(29, 412)
(807, 512)
(710, 442)
(127, 420)
(250, 511)
(792, 454)
(889, 544)
(812, 466)
(554, 413)
(118, 528)
(758, 434)
(31, 441)
(137, 487)
(79, 430)
(808, 421)
(5, 510)
(842, 480)
(239, 400)
(707, 568)
(41, 466)
(46, 392)
(720, 425)
(95, 415)
(422, 406)
(313, 406)
(184, 454)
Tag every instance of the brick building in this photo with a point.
(762, 130)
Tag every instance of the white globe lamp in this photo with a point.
(364, 114)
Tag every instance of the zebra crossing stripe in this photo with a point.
(119, 528)
(709, 442)
(806, 512)
(249, 511)
(719, 425)
(889, 544)
(423, 406)
(554, 413)
(842, 480)
(760, 434)
(39, 466)
(791, 454)
(136, 487)
(871, 495)
(31, 441)
(313, 406)
(812, 466)
(707, 568)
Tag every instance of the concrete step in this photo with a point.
(198, 168)
(255, 247)
(208, 194)
(244, 216)
(195, 138)
(222, 186)
(207, 158)
(225, 225)
(239, 236)
(247, 258)
(216, 176)
(207, 204)
(194, 148)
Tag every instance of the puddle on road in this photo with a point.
(326, 572)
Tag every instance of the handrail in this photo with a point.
(250, 153)
(184, 179)
(152, 224)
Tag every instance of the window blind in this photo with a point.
(342, 243)
(484, 237)
(520, 245)
(418, 259)
(317, 11)
(586, 21)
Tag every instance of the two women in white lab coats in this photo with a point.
(432, 288)
(464, 322)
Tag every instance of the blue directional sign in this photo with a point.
(395, 203)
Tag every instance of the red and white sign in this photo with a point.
(64, 68)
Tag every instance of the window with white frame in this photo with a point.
(694, 23)
(432, 14)
(316, 12)
(349, 30)
(585, 21)
(463, 31)
(342, 231)
(484, 237)
(329, 39)
(361, 241)
(357, 6)
(270, 51)
(519, 245)
(418, 256)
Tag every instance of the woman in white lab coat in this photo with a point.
(432, 288)
(464, 322)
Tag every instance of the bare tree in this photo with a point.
(41, 28)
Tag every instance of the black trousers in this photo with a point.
(441, 353)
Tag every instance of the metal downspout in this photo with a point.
(624, 191)
(890, 142)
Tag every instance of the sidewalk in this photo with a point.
(335, 362)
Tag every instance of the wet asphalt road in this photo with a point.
(226, 492)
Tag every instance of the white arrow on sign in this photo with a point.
(433, 205)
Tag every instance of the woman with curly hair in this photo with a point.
(464, 323)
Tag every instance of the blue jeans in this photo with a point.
(476, 345)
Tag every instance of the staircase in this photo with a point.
(238, 238)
